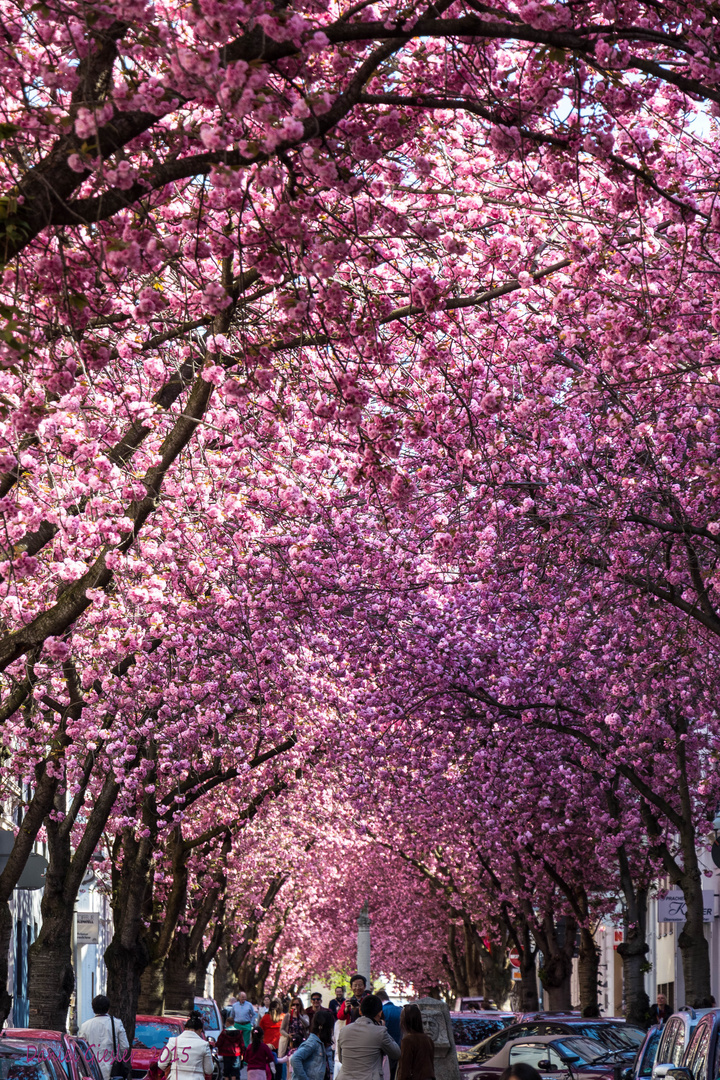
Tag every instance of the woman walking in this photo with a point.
(417, 1050)
(313, 1058)
(270, 1023)
(188, 1054)
(294, 1027)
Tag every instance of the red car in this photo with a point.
(75, 1056)
(151, 1035)
(21, 1061)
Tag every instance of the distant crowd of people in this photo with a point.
(372, 1038)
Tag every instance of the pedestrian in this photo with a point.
(361, 1045)
(230, 1045)
(188, 1054)
(259, 1058)
(350, 1008)
(294, 1027)
(661, 1011)
(315, 1004)
(313, 1058)
(337, 1000)
(270, 1024)
(244, 1014)
(391, 1015)
(265, 1005)
(107, 1038)
(417, 1050)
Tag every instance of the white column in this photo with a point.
(363, 944)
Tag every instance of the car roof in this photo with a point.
(33, 1033)
(479, 1014)
(161, 1019)
(541, 1039)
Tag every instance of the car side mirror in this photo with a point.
(661, 1071)
(679, 1072)
(547, 1066)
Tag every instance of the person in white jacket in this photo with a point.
(188, 1055)
(98, 1034)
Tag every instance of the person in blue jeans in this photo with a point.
(313, 1059)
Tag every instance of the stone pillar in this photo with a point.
(436, 1022)
(363, 944)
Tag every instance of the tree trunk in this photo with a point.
(556, 971)
(692, 941)
(694, 946)
(180, 971)
(51, 978)
(125, 965)
(152, 989)
(127, 954)
(6, 937)
(588, 973)
(224, 982)
(528, 990)
(637, 1004)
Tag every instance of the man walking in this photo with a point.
(98, 1034)
(244, 1016)
(361, 1045)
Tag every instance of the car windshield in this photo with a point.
(208, 1014)
(18, 1064)
(468, 1031)
(650, 1052)
(152, 1036)
(613, 1036)
(578, 1051)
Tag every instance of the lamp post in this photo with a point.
(363, 943)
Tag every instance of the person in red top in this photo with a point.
(230, 1046)
(270, 1024)
(259, 1058)
(350, 1008)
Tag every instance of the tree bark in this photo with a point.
(588, 973)
(180, 973)
(556, 971)
(528, 989)
(51, 978)
(224, 981)
(6, 935)
(152, 989)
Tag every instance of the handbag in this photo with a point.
(118, 1068)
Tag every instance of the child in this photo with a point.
(259, 1058)
(230, 1046)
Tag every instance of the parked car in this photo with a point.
(151, 1035)
(701, 1059)
(21, 1060)
(472, 1004)
(210, 1011)
(75, 1056)
(642, 1066)
(553, 1056)
(470, 1028)
(618, 1037)
(675, 1039)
